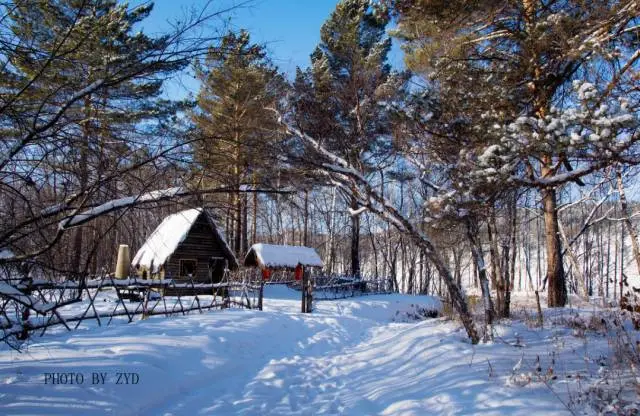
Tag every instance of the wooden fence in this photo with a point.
(30, 307)
(327, 287)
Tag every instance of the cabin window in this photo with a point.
(188, 268)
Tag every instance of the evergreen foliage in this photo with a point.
(345, 96)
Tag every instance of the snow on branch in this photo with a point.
(335, 162)
(561, 178)
(588, 132)
(423, 173)
(361, 189)
(10, 292)
(77, 219)
(116, 204)
(357, 212)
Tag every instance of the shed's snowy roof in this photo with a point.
(166, 238)
(271, 255)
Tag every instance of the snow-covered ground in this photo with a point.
(356, 356)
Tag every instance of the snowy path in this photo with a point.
(348, 357)
(391, 371)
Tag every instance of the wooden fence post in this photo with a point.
(307, 292)
(26, 312)
(303, 288)
(310, 293)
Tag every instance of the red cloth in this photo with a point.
(266, 274)
(298, 272)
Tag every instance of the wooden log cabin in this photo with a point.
(186, 245)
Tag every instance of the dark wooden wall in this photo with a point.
(200, 244)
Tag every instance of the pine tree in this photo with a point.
(80, 105)
(235, 119)
(94, 42)
(341, 98)
(512, 59)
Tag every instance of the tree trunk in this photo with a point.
(254, 225)
(393, 265)
(513, 212)
(238, 225)
(305, 230)
(355, 241)
(587, 260)
(606, 289)
(421, 291)
(496, 271)
(330, 240)
(600, 264)
(527, 252)
(411, 275)
(374, 249)
(621, 281)
(538, 256)
(228, 219)
(473, 236)
(506, 284)
(556, 286)
(457, 264)
(615, 267)
(573, 259)
(83, 178)
(245, 224)
(626, 212)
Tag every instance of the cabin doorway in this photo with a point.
(216, 269)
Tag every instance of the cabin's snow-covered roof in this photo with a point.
(165, 239)
(271, 255)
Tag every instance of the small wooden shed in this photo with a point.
(187, 244)
(272, 256)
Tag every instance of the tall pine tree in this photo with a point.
(238, 129)
(342, 98)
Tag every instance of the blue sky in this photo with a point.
(290, 29)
